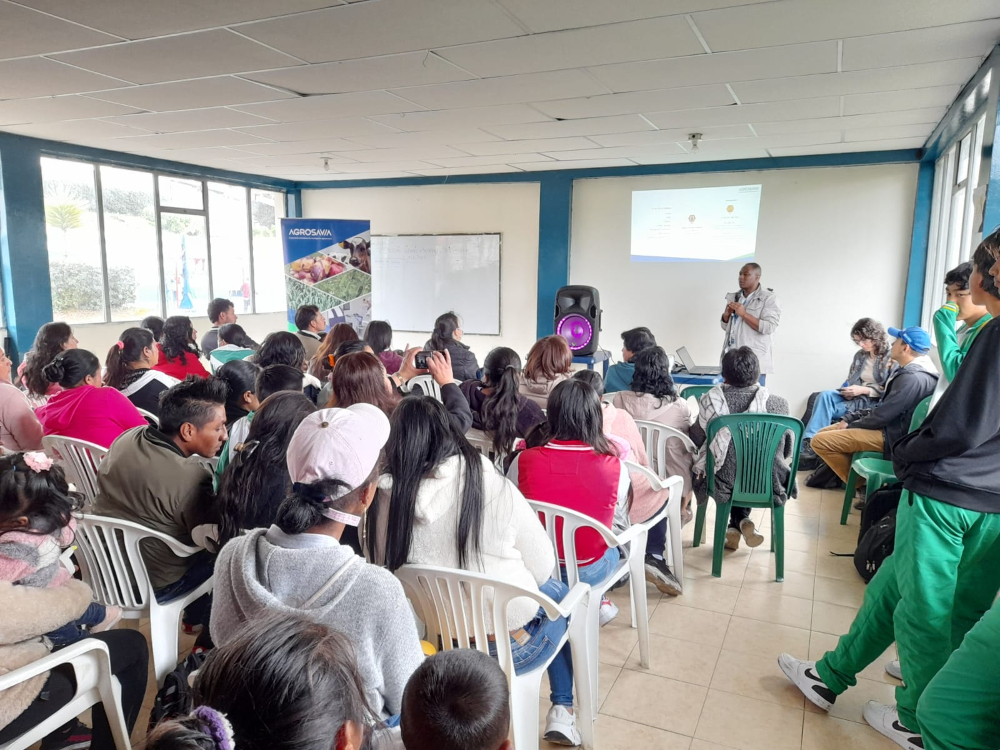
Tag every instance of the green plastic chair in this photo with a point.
(696, 390)
(875, 470)
(756, 440)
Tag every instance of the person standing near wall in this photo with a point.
(751, 317)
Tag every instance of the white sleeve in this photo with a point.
(512, 471)
(621, 521)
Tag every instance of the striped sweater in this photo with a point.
(33, 559)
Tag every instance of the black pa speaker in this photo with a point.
(578, 318)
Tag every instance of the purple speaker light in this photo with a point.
(577, 331)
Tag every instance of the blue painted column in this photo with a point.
(555, 215)
(293, 204)
(914, 300)
(24, 255)
(991, 211)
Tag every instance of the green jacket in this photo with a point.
(954, 344)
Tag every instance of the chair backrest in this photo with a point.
(561, 525)
(426, 385)
(481, 441)
(150, 417)
(79, 459)
(655, 437)
(696, 390)
(920, 413)
(756, 440)
(608, 398)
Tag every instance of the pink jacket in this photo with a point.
(97, 415)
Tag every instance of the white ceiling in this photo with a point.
(389, 88)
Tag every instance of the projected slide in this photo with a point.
(695, 224)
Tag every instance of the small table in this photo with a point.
(592, 359)
(686, 378)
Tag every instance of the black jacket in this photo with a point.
(464, 365)
(955, 456)
(454, 402)
(906, 388)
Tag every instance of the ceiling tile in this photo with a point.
(552, 15)
(624, 152)
(895, 132)
(639, 101)
(371, 176)
(921, 45)
(447, 172)
(902, 117)
(318, 129)
(218, 154)
(659, 137)
(426, 138)
(774, 23)
(726, 67)
(485, 161)
(849, 148)
(37, 76)
(404, 154)
(384, 166)
(391, 71)
(923, 75)
(197, 139)
(939, 96)
(302, 147)
(505, 90)
(355, 104)
(26, 32)
(56, 108)
(567, 128)
(289, 160)
(218, 91)
(146, 18)
(195, 55)
(596, 45)
(503, 114)
(700, 156)
(74, 131)
(211, 118)
(544, 166)
(767, 112)
(521, 147)
(383, 28)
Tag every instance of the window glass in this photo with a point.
(963, 158)
(267, 209)
(227, 217)
(185, 264)
(178, 193)
(130, 242)
(74, 241)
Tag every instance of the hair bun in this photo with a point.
(54, 371)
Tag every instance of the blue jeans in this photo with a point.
(71, 632)
(828, 406)
(199, 611)
(599, 570)
(543, 635)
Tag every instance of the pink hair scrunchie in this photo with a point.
(120, 344)
(37, 461)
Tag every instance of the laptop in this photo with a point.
(694, 369)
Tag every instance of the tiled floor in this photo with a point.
(713, 681)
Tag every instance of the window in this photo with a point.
(127, 243)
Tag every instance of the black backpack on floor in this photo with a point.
(878, 505)
(875, 546)
(824, 478)
(176, 698)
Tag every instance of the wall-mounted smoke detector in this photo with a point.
(694, 138)
(326, 164)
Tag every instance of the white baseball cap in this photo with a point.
(340, 444)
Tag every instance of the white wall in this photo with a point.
(833, 243)
(511, 209)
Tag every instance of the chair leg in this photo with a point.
(674, 537)
(699, 523)
(110, 691)
(640, 605)
(721, 522)
(778, 541)
(583, 649)
(163, 632)
(524, 710)
(852, 481)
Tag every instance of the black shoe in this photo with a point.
(807, 450)
(622, 583)
(660, 575)
(72, 736)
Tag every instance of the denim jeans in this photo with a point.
(199, 611)
(543, 635)
(599, 570)
(71, 632)
(828, 406)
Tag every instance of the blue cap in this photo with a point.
(915, 337)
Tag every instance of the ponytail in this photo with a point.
(71, 367)
(128, 349)
(307, 505)
(500, 411)
(444, 331)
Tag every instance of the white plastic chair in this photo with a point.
(113, 567)
(150, 417)
(655, 436)
(79, 459)
(444, 599)
(672, 507)
(426, 385)
(482, 443)
(91, 664)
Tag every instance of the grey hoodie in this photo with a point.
(268, 570)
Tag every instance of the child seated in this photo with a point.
(457, 700)
(36, 525)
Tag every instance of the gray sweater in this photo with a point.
(268, 570)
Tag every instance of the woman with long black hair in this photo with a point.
(447, 336)
(129, 369)
(441, 503)
(178, 351)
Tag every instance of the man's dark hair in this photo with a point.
(637, 339)
(305, 315)
(740, 367)
(959, 276)
(983, 259)
(275, 378)
(456, 700)
(216, 307)
(754, 266)
(194, 400)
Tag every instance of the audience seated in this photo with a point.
(548, 365)
(233, 344)
(360, 378)
(83, 409)
(285, 348)
(441, 503)
(579, 469)
(129, 369)
(498, 408)
(310, 325)
(965, 305)
(51, 339)
(298, 565)
(447, 337)
(378, 335)
(457, 700)
(739, 393)
(178, 355)
(876, 429)
(220, 312)
(154, 325)
(320, 364)
(343, 349)
(20, 429)
(157, 478)
(865, 384)
(438, 367)
(619, 377)
(240, 377)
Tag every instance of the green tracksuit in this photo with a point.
(943, 576)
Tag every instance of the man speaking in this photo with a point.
(750, 317)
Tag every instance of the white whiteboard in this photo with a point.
(417, 277)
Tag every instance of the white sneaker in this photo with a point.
(749, 532)
(111, 618)
(893, 669)
(560, 727)
(609, 611)
(733, 537)
(885, 720)
(803, 675)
